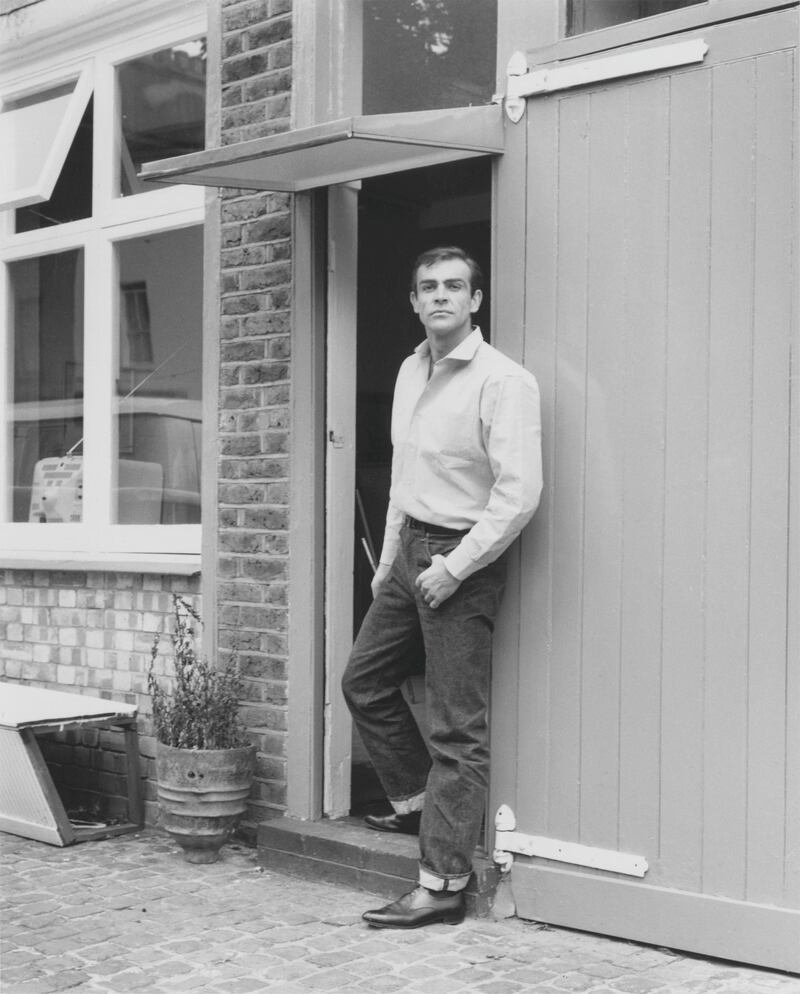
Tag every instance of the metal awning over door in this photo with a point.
(340, 151)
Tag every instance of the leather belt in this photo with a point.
(422, 526)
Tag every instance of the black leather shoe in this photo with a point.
(406, 824)
(419, 907)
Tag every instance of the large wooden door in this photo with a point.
(658, 692)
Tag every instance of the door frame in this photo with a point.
(327, 86)
(304, 747)
(340, 468)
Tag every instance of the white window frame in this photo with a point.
(96, 540)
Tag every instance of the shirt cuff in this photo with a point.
(389, 551)
(459, 563)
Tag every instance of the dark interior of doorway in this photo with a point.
(400, 216)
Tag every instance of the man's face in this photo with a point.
(443, 299)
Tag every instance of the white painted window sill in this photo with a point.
(177, 565)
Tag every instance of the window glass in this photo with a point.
(162, 103)
(47, 387)
(71, 198)
(159, 378)
(590, 15)
(424, 54)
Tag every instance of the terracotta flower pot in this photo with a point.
(202, 794)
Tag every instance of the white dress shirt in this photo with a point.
(466, 450)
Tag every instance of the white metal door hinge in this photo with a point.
(509, 841)
(522, 82)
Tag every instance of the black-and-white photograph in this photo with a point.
(399, 496)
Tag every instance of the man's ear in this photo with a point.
(413, 298)
(477, 297)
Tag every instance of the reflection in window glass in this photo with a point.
(47, 337)
(424, 54)
(71, 199)
(160, 378)
(163, 105)
(590, 15)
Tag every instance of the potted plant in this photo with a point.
(204, 763)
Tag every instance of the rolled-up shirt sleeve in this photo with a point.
(391, 536)
(511, 424)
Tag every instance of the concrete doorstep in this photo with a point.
(347, 853)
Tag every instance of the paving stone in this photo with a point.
(637, 985)
(131, 981)
(18, 974)
(196, 983)
(19, 957)
(330, 958)
(67, 980)
(329, 980)
(530, 975)
(382, 985)
(444, 985)
(500, 987)
(603, 971)
(31, 987)
(577, 982)
(242, 985)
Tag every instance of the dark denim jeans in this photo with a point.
(401, 636)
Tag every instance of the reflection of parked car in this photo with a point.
(159, 460)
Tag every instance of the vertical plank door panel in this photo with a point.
(769, 523)
(643, 482)
(728, 517)
(540, 283)
(605, 433)
(683, 629)
(568, 470)
(508, 329)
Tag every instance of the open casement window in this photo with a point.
(36, 132)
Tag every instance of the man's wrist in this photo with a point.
(449, 571)
(458, 564)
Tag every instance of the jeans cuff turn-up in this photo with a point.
(432, 881)
(405, 805)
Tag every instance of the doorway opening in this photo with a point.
(400, 216)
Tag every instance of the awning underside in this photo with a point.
(340, 151)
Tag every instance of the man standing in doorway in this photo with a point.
(466, 479)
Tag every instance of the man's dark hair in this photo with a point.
(434, 255)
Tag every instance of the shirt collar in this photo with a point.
(463, 352)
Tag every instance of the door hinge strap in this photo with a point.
(571, 852)
(523, 82)
(508, 840)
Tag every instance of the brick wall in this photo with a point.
(255, 368)
(91, 633)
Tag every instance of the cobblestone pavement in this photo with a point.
(128, 914)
